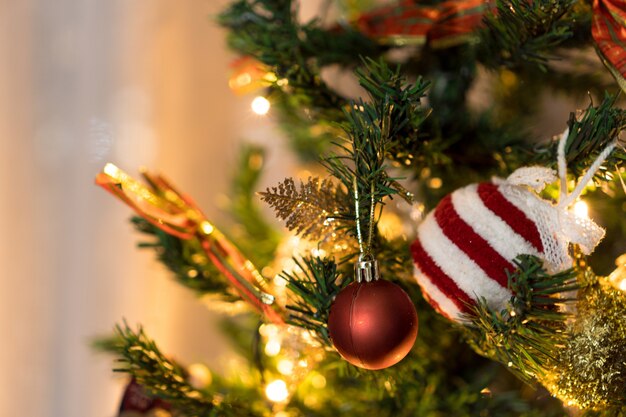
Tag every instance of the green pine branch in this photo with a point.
(140, 357)
(296, 52)
(520, 32)
(256, 237)
(393, 94)
(392, 115)
(527, 336)
(269, 31)
(187, 260)
(592, 132)
(312, 292)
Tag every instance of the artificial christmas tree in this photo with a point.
(448, 92)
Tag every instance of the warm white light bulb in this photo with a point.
(279, 281)
(111, 170)
(260, 105)
(581, 209)
(276, 391)
(273, 347)
(199, 376)
(268, 330)
(285, 367)
(318, 381)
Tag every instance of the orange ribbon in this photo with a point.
(177, 215)
(249, 75)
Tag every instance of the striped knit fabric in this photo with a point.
(466, 245)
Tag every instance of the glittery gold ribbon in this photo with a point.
(177, 215)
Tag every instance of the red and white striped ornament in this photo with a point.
(465, 246)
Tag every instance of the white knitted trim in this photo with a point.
(582, 231)
(500, 236)
(556, 224)
(469, 277)
(443, 301)
(534, 177)
(546, 218)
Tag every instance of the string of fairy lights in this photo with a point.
(260, 105)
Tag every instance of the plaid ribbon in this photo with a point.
(452, 22)
(449, 23)
(609, 31)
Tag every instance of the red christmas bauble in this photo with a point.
(466, 247)
(373, 325)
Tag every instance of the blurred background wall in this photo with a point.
(83, 82)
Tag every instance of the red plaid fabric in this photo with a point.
(609, 32)
(444, 24)
(452, 22)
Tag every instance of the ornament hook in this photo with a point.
(366, 269)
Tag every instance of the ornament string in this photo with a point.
(366, 268)
(566, 199)
(367, 249)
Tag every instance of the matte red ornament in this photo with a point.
(373, 325)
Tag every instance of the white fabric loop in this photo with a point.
(557, 225)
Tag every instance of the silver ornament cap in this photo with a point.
(366, 269)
